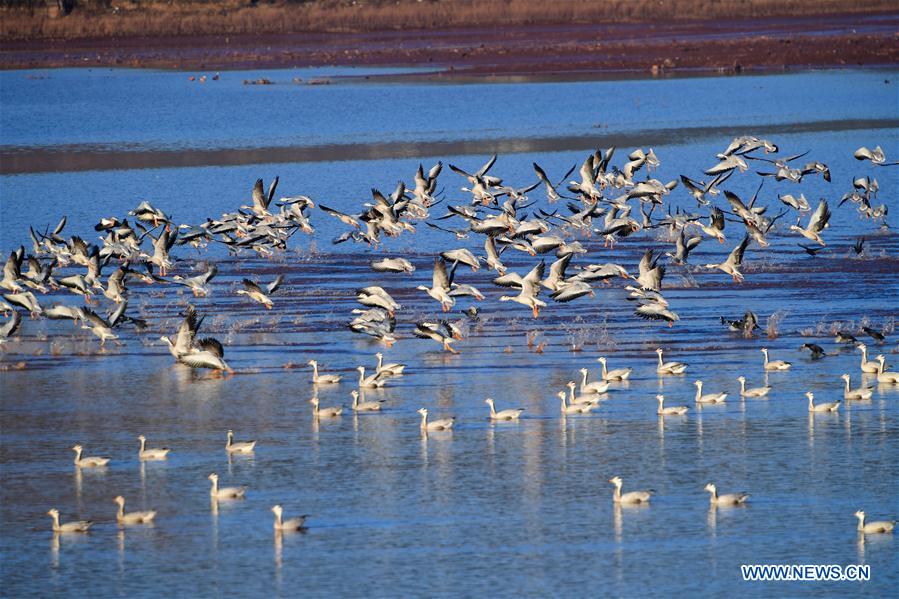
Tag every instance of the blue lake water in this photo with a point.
(499, 509)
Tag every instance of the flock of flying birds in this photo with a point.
(610, 201)
(607, 200)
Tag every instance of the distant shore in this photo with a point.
(660, 46)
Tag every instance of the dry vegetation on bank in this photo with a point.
(43, 20)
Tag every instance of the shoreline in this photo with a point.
(733, 46)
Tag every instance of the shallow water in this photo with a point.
(501, 509)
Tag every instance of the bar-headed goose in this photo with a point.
(575, 408)
(708, 397)
(390, 369)
(225, 492)
(774, 364)
(734, 261)
(88, 462)
(74, 526)
(594, 387)
(159, 453)
(129, 518)
(669, 411)
(753, 392)
(866, 366)
(579, 400)
(873, 527)
(374, 381)
(365, 406)
(861, 393)
(319, 412)
(509, 414)
(289, 525)
(232, 446)
(823, 407)
(617, 374)
(440, 285)
(444, 424)
(633, 497)
(728, 499)
(322, 379)
(669, 367)
(886, 377)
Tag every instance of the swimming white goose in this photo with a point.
(322, 379)
(708, 397)
(89, 462)
(152, 453)
(728, 499)
(292, 524)
(669, 411)
(633, 497)
(390, 369)
(669, 367)
(365, 406)
(886, 377)
(225, 492)
(319, 412)
(873, 527)
(866, 366)
(444, 424)
(232, 446)
(774, 364)
(132, 517)
(824, 407)
(860, 393)
(583, 399)
(509, 414)
(74, 526)
(753, 392)
(374, 381)
(618, 374)
(584, 408)
(594, 387)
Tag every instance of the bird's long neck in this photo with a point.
(356, 400)
(764, 353)
(811, 403)
(361, 376)
(380, 362)
(583, 379)
(492, 408)
(660, 358)
(143, 445)
(215, 486)
(605, 373)
(55, 521)
(617, 493)
(698, 391)
(315, 370)
(77, 455)
(424, 421)
(121, 510)
(861, 522)
(847, 385)
(230, 439)
(714, 495)
(278, 518)
(571, 394)
(742, 386)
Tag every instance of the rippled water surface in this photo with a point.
(498, 509)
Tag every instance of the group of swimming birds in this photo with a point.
(587, 398)
(614, 202)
